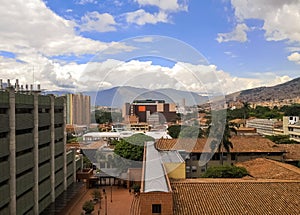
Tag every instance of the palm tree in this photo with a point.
(225, 142)
(246, 108)
(225, 138)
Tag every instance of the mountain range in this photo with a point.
(117, 96)
(287, 90)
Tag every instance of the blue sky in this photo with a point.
(246, 43)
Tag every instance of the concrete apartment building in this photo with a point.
(263, 126)
(291, 127)
(34, 164)
(78, 109)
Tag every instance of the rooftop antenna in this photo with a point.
(33, 74)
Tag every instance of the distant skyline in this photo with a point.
(246, 43)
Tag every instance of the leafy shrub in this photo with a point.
(88, 207)
(225, 172)
(136, 188)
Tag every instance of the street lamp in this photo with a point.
(111, 192)
(105, 201)
(105, 204)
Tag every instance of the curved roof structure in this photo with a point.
(155, 176)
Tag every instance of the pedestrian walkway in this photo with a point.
(117, 202)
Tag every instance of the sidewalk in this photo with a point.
(118, 205)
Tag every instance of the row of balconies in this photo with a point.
(4, 197)
(25, 202)
(4, 171)
(25, 121)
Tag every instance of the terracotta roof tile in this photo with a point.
(292, 151)
(270, 169)
(194, 196)
(251, 143)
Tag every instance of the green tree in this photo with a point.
(281, 139)
(132, 147)
(174, 131)
(292, 110)
(225, 142)
(136, 188)
(224, 137)
(86, 162)
(96, 194)
(191, 132)
(102, 116)
(246, 109)
(225, 172)
(88, 207)
(184, 131)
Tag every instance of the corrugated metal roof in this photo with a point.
(154, 173)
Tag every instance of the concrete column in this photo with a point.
(74, 165)
(52, 148)
(65, 142)
(36, 152)
(285, 122)
(12, 150)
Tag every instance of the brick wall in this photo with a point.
(148, 199)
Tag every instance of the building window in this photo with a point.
(187, 169)
(203, 169)
(194, 157)
(102, 165)
(215, 157)
(194, 168)
(156, 208)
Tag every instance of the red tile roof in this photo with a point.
(270, 169)
(241, 144)
(232, 197)
(292, 152)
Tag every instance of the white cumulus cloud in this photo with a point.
(83, 2)
(170, 5)
(281, 19)
(30, 26)
(141, 17)
(295, 57)
(238, 34)
(94, 21)
(204, 79)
